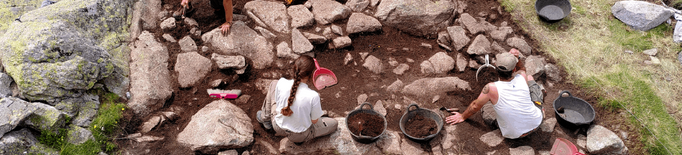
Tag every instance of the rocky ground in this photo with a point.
(389, 53)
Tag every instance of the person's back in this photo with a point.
(306, 106)
(516, 113)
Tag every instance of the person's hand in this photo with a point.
(515, 52)
(455, 118)
(225, 27)
(184, 3)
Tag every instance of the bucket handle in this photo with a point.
(410, 106)
(366, 103)
(565, 91)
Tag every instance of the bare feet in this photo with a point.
(225, 28)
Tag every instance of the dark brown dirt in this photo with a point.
(366, 124)
(487, 75)
(354, 80)
(420, 126)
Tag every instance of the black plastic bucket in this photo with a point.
(552, 10)
(362, 138)
(423, 112)
(573, 112)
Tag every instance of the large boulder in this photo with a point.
(244, 41)
(23, 142)
(52, 60)
(601, 140)
(442, 62)
(416, 17)
(435, 86)
(273, 14)
(328, 11)
(219, 125)
(640, 15)
(359, 22)
(12, 112)
(150, 78)
(191, 68)
(238, 63)
(520, 44)
(101, 23)
(341, 141)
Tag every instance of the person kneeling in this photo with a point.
(516, 98)
(296, 108)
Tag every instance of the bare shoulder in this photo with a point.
(488, 88)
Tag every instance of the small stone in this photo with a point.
(216, 83)
(401, 69)
(435, 99)
(426, 45)
(191, 22)
(492, 138)
(655, 60)
(392, 61)
(364, 55)
(347, 59)
(169, 38)
(204, 49)
(373, 64)
(522, 150)
(444, 40)
(168, 24)
(314, 38)
(337, 29)
(362, 98)
(629, 52)
(265, 33)
(195, 32)
(342, 42)
(151, 124)
(327, 33)
(409, 60)
(624, 135)
(473, 64)
(581, 141)
(651, 52)
(398, 106)
(548, 125)
(406, 49)
(395, 86)
(187, 44)
(379, 108)
(300, 44)
(461, 62)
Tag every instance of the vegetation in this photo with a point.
(591, 45)
(103, 127)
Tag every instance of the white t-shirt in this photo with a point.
(516, 113)
(306, 106)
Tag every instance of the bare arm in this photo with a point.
(474, 107)
(314, 121)
(227, 5)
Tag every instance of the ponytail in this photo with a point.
(286, 111)
(304, 67)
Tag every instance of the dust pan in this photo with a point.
(564, 147)
(323, 77)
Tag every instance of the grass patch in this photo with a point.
(103, 126)
(590, 44)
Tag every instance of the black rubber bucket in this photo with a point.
(573, 112)
(362, 138)
(552, 10)
(424, 112)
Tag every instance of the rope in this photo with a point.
(633, 115)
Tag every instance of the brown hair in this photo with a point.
(304, 67)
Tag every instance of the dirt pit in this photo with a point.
(420, 126)
(354, 80)
(365, 124)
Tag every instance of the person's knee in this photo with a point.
(331, 123)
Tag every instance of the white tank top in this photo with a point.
(516, 113)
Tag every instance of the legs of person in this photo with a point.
(325, 126)
(269, 105)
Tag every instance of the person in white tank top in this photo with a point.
(516, 105)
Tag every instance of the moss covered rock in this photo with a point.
(23, 142)
(46, 118)
(58, 51)
(12, 112)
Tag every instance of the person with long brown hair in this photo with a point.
(296, 108)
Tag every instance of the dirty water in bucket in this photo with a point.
(572, 116)
(552, 12)
(420, 126)
(366, 124)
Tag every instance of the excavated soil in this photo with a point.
(364, 124)
(354, 80)
(420, 126)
